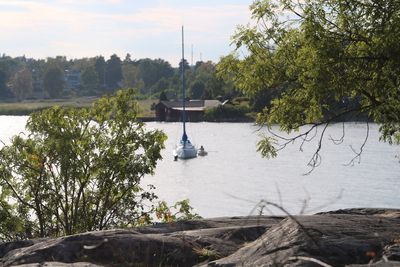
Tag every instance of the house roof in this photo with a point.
(190, 108)
(193, 105)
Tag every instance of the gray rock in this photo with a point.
(354, 237)
(378, 264)
(183, 243)
(336, 239)
(59, 264)
(392, 252)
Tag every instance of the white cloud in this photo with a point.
(85, 2)
(65, 28)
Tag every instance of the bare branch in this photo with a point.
(305, 139)
(358, 153)
(293, 218)
(341, 139)
(316, 159)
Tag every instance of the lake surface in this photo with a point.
(233, 178)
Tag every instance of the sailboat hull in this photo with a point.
(185, 151)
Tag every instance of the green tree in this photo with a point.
(197, 89)
(53, 81)
(100, 66)
(151, 71)
(11, 225)
(163, 96)
(3, 84)
(206, 95)
(214, 86)
(90, 80)
(38, 68)
(81, 169)
(60, 61)
(204, 73)
(113, 71)
(8, 67)
(132, 77)
(161, 85)
(185, 64)
(21, 84)
(128, 58)
(181, 210)
(81, 64)
(319, 53)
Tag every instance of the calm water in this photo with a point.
(233, 178)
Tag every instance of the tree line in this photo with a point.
(26, 78)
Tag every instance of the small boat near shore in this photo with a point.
(201, 152)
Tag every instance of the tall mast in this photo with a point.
(184, 137)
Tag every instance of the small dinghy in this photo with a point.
(201, 152)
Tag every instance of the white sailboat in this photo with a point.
(184, 149)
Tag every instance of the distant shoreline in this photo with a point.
(146, 114)
(154, 119)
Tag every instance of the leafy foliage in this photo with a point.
(80, 169)
(11, 226)
(113, 73)
(226, 112)
(163, 96)
(100, 66)
(53, 81)
(90, 80)
(8, 67)
(152, 71)
(3, 84)
(131, 77)
(21, 84)
(181, 210)
(317, 54)
(197, 89)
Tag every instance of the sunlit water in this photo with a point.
(233, 178)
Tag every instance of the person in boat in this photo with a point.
(201, 151)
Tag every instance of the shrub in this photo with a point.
(80, 169)
(227, 113)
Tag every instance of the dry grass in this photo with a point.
(29, 106)
(145, 107)
(206, 254)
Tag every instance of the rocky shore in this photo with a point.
(353, 237)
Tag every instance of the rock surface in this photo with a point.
(353, 237)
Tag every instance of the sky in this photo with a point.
(142, 28)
